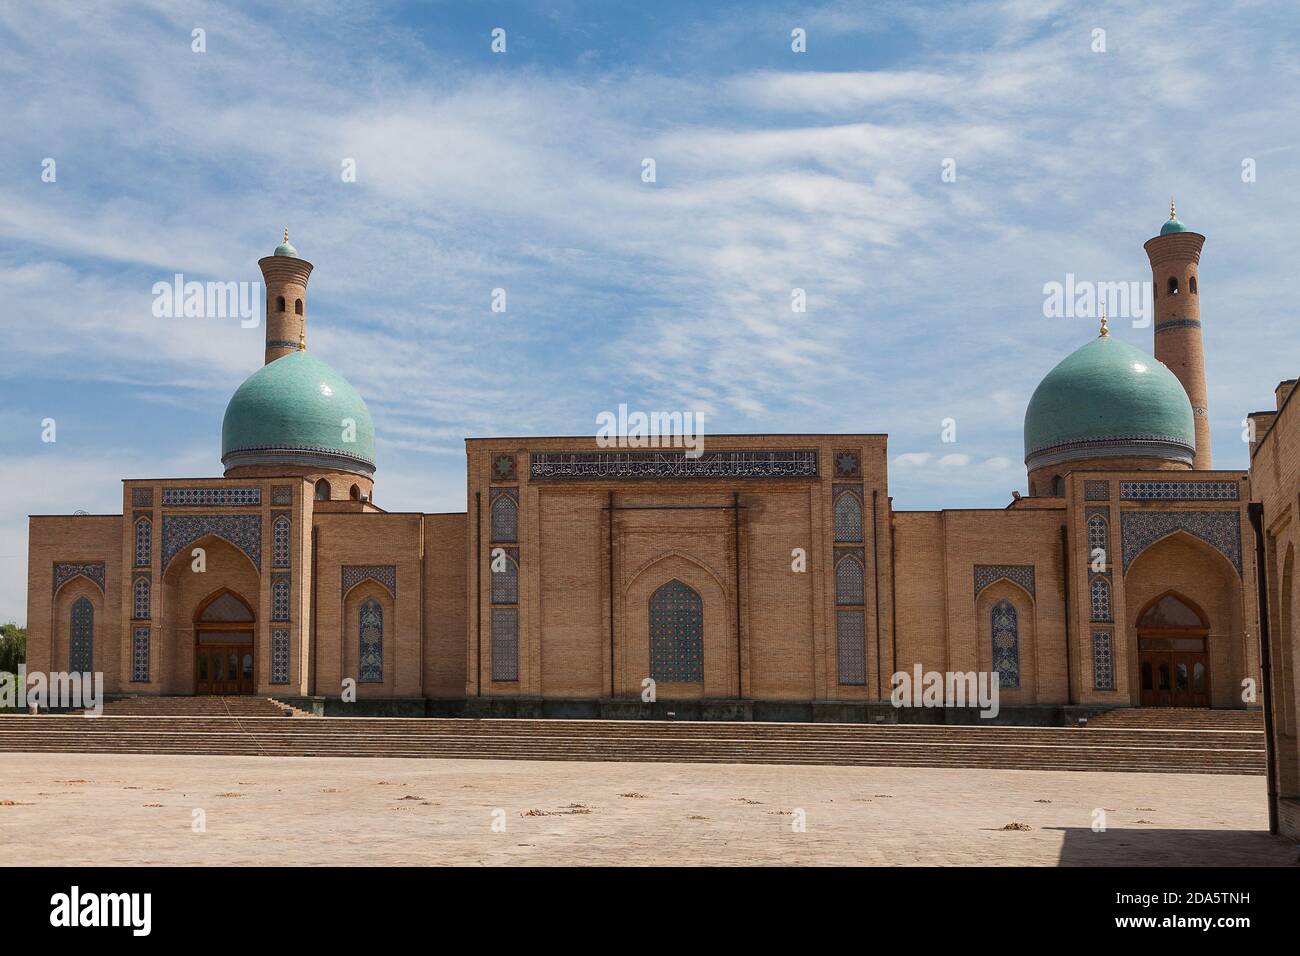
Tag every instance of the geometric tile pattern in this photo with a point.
(279, 656)
(81, 637)
(848, 581)
(143, 542)
(140, 654)
(204, 497)
(282, 494)
(1179, 490)
(243, 531)
(642, 465)
(65, 571)
(848, 517)
(140, 598)
(848, 464)
(281, 527)
(851, 647)
(1006, 644)
(1096, 490)
(503, 468)
(1219, 529)
(1022, 574)
(280, 597)
(505, 643)
(505, 577)
(141, 497)
(383, 574)
(677, 634)
(1099, 591)
(370, 666)
(505, 519)
(1103, 665)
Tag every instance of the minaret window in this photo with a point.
(1191, 285)
(297, 306)
(355, 493)
(279, 303)
(1173, 285)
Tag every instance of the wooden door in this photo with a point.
(226, 669)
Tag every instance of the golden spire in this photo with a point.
(286, 228)
(302, 339)
(1105, 332)
(1173, 213)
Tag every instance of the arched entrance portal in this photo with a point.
(1173, 658)
(223, 645)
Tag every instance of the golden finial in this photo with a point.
(1173, 213)
(286, 233)
(1104, 330)
(302, 339)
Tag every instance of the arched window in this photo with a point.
(505, 519)
(370, 665)
(322, 490)
(1173, 285)
(354, 493)
(81, 637)
(1100, 593)
(848, 581)
(1006, 643)
(281, 530)
(140, 598)
(1191, 285)
(280, 597)
(1169, 611)
(279, 303)
(677, 634)
(143, 542)
(1098, 538)
(505, 582)
(1058, 486)
(848, 517)
(297, 306)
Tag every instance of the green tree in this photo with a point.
(13, 647)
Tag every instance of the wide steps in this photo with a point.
(1021, 748)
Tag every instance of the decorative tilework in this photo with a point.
(140, 654)
(383, 574)
(1022, 574)
(206, 497)
(851, 647)
(1096, 490)
(650, 465)
(279, 656)
(81, 637)
(1103, 663)
(849, 581)
(282, 494)
(1099, 592)
(281, 533)
(1006, 643)
(677, 634)
(505, 518)
(141, 497)
(505, 577)
(243, 531)
(503, 468)
(92, 571)
(1098, 535)
(505, 643)
(1179, 490)
(140, 589)
(848, 464)
(1219, 529)
(1179, 324)
(143, 542)
(848, 516)
(280, 597)
(370, 659)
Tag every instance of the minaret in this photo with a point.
(1175, 256)
(285, 274)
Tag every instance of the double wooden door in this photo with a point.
(1174, 676)
(225, 669)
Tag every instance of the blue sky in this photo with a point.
(522, 171)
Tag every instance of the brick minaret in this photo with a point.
(1175, 256)
(285, 276)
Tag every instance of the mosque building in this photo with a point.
(579, 576)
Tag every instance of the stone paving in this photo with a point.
(79, 809)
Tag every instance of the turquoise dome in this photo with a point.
(1108, 400)
(285, 249)
(1172, 225)
(293, 411)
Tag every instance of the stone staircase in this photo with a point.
(1092, 748)
(1178, 718)
(200, 706)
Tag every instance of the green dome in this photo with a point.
(293, 411)
(1172, 225)
(285, 249)
(1108, 400)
